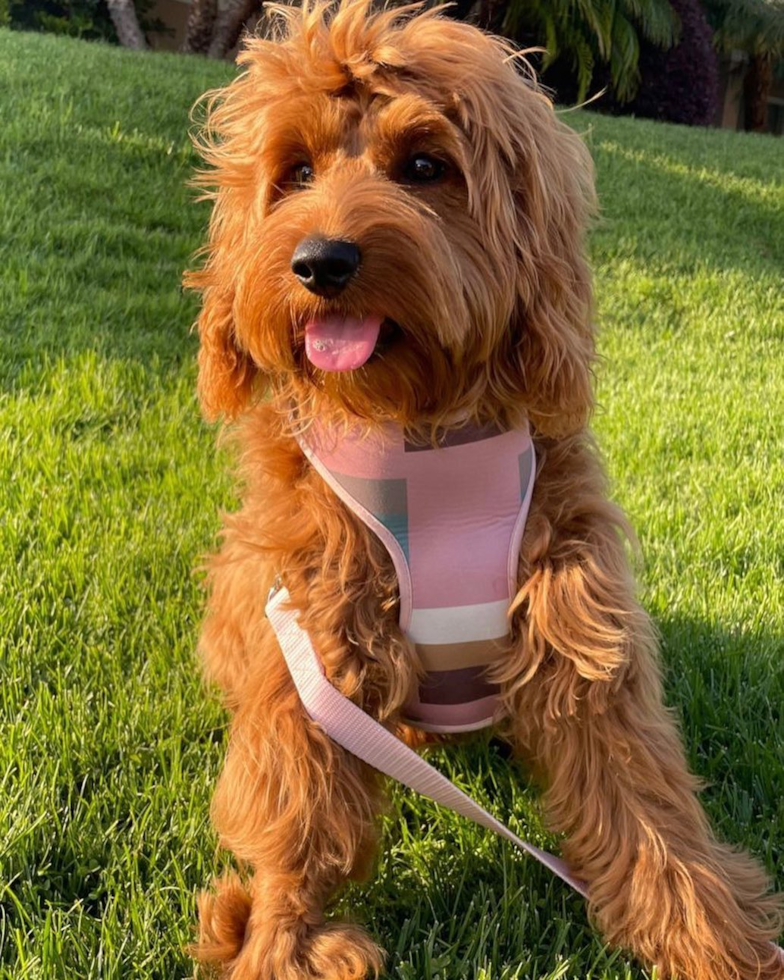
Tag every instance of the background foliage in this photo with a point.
(680, 84)
(754, 26)
(656, 58)
(88, 19)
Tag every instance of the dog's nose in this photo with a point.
(324, 266)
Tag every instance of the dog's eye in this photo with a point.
(423, 169)
(300, 175)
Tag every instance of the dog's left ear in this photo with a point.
(553, 324)
(543, 366)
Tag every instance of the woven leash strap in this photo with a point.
(362, 736)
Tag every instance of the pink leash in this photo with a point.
(358, 733)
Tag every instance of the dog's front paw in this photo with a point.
(232, 946)
(223, 920)
(340, 951)
(278, 951)
(700, 921)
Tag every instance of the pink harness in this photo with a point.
(452, 519)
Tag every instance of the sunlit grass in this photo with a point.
(111, 489)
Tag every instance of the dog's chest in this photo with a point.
(451, 518)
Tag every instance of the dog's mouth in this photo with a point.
(345, 343)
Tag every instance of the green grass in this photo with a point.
(111, 489)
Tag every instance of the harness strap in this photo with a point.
(358, 733)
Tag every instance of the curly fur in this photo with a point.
(495, 325)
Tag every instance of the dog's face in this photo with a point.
(397, 231)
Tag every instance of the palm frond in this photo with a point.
(587, 32)
(755, 26)
(656, 21)
(583, 65)
(624, 59)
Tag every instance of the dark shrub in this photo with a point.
(680, 85)
(79, 18)
(87, 19)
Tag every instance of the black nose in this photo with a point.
(323, 266)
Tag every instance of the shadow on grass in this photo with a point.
(677, 218)
(450, 894)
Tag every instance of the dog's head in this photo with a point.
(397, 228)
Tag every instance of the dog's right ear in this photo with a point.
(226, 372)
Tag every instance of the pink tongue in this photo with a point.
(337, 343)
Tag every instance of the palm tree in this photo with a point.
(756, 27)
(585, 32)
(229, 25)
(126, 24)
(198, 31)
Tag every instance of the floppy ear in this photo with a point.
(530, 187)
(226, 372)
(539, 210)
(552, 327)
(554, 317)
(226, 141)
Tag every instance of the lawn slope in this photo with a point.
(110, 488)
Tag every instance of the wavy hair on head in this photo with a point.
(528, 178)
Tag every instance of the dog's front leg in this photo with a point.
(299, 811)
(586, 707)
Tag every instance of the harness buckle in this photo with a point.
(277, 585)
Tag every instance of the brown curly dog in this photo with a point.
(397, 237)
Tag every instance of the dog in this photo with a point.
(397, 240)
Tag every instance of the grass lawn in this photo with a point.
(110, 488)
